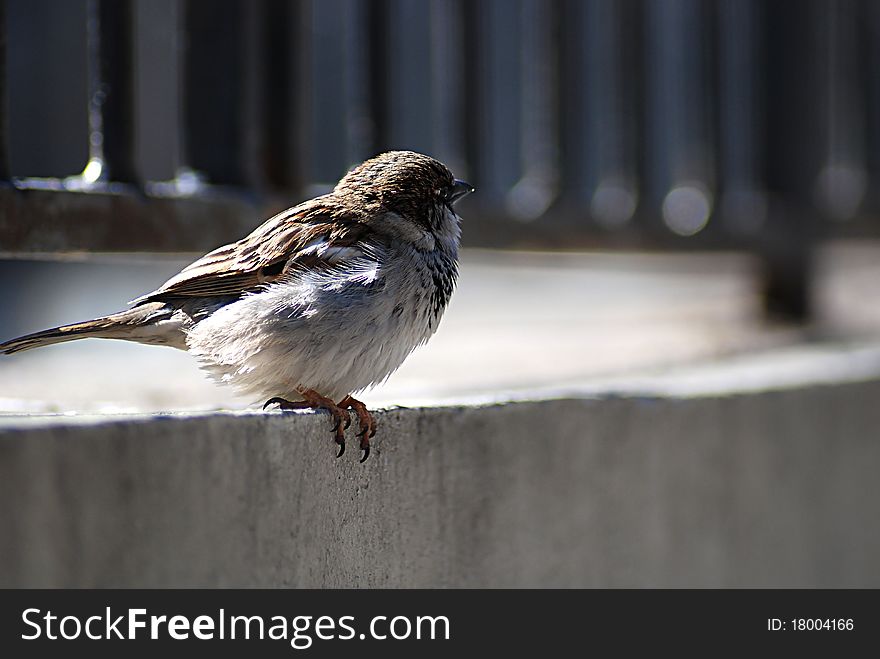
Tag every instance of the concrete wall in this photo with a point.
(747, 489)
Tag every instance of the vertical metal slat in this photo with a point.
(499, 87)
(329, 75)
(869, 42)
(111, 93)
(842, 181)
(609, 112)
(448, 73)
(214, 115)
(681, 163)
(410, 100)
(796, 91)
(4, 124)
(538, 184)
(743, 202)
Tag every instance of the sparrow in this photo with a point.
(321, 301)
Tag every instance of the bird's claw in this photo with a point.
(365, 435)
(339, 432)
(341, 417)
(339, 427)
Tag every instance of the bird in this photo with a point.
(321, 301)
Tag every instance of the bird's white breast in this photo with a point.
(335, 331)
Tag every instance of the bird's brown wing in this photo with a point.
(306, 235)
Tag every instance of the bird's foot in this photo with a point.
(367, 422)
(315, 401)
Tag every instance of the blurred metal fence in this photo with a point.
(163, 124)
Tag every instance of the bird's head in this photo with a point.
(419, 189)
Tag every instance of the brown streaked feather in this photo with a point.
(137, 324)
(265, 254)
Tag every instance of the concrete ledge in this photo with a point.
(747, 488)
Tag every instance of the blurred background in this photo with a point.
(658, 180)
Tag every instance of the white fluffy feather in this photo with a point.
(336, 331)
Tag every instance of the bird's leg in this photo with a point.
(368, 423)
(314, 400)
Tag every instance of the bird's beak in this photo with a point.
(459, 190)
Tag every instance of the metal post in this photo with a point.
(214, 90)
(111, 92)
(4, 126)
(796, 92)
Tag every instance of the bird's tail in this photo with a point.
(152, 323)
